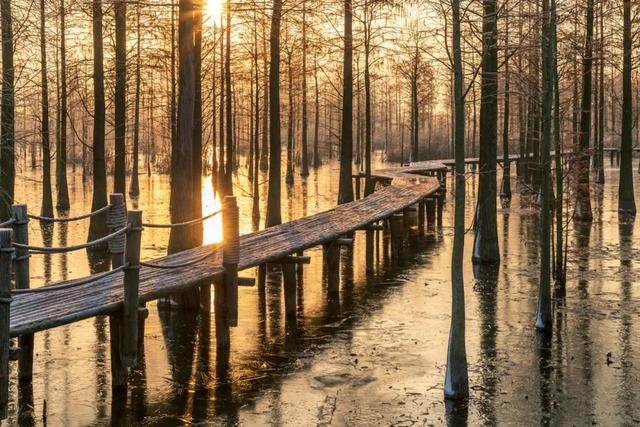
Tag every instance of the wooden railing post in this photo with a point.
(21, 264)
(6, 250)
(231, 256)
(116, 219)
(129, 352)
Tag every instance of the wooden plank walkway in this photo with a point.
(38, 311)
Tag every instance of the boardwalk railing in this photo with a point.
(122, 292)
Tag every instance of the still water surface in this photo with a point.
(373, 356)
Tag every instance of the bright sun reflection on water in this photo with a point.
(211, 203)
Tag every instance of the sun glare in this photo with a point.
(214, 11)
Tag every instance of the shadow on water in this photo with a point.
(198, 393)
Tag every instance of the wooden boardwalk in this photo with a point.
(33, 312)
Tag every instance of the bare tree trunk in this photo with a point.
(197, 118)
(345, 193)
(559, 267)
(98, 224)
(289, 174)
(626, 199)
(485, 247)
(7, 123)
(256, 125)
(543, 316)
(456, 382)
(134, 189)
(47, 199)
(62, 188)
(583, 196)
(182, 195)
(222, 159)
(264, 159)
(229, 109)
(316, 162)
(304, 167)
(214, 114)
(120, 97)
(505, 188)
(600, 137)
(273, 202)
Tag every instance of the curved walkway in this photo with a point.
(43, 310)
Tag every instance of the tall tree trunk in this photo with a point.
(47, 200)
(505, 188)
(7, 123)
(583, 196)
(485, 246)
(134, 189)
(274, 215)
(182, 194)
(256, 125)
(600, 137)
(304, 167)
(214, 114)
(543, 317)
(174, 105)
(229, 108)
(62, 188)
(291, 118)
(197, 119)
(221, 162)
(626, 200)
(120, 96)
(414, 113)
(98, 224)
(559, 262)
(316, 161)
(345, 193)
(264, 159)
(456, 382)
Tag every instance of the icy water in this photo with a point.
(373, 356)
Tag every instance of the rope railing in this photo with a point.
(71, 284)
(66, 249)
(70, 219)
(183, 224)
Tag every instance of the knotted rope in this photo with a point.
(117, 219)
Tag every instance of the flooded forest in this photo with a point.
(307, 212)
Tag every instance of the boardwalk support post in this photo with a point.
(129, 352)
(369, 235)
(440, 207)
(6, 251)
(231, 256)
(289, 282)
(431, 212)
(421, 218)
(331, 254)
(21, 235)
(397, 234)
